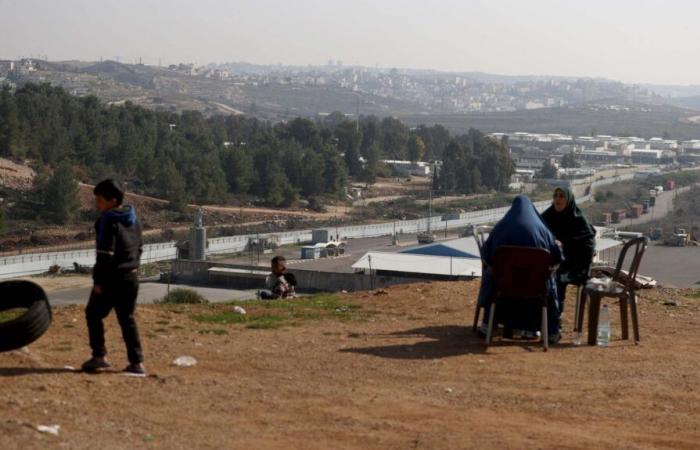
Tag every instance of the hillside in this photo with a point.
(612, 117)
(283, 92)
(686, 102)
(177, 90)
(392, 369)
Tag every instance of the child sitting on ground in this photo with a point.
(280, 283)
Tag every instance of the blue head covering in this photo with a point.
(522, 226)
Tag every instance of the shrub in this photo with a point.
(183, 296)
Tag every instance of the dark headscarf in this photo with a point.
(572, 229)
(522, 226)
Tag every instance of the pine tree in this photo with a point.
(9, 123)
(416, 149)
(372, 165)
(349, 142)
(171, 187)
(476, 179)
(548, 171)
(60, 196)
(3, 226)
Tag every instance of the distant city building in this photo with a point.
(406, 168)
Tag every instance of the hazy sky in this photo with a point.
(630, 40)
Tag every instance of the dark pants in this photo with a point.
(561, 290)
(120, 293)
(266, 295)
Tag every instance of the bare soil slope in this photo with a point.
(407, 373)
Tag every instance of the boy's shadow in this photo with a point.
(19, 371)
(443, 341)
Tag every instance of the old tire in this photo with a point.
(31, 325)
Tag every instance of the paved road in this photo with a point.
(149, 292)
(672, 266)
(664, 205)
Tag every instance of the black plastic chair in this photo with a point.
(580, 284)
(622, 287)
(480, 234)
(520, 273)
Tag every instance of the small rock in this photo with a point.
(448, 390)
(49, 429)
(672, 303)
(381, 292)
(184, 361)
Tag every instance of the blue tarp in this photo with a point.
(458, 248)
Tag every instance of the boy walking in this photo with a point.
(115, 276)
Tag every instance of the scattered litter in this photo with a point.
(603, 284)
(672, 303)
(448, 390)
(381, 292)
(71, 368)
(482, 361)
(185, 361)
(641, 282)
(49, 429)
(239, 310)
(343, 291)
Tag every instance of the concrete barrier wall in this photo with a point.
(197, 272)
(32, 264)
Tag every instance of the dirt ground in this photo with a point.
(52, 283)
(408, 374)
(16, 176)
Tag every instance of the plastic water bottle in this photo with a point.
(604, 327)
(577, 338)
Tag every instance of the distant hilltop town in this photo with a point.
(416, 91)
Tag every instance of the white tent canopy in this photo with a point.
(440, 265)
(412, 263)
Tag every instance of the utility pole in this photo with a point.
(430, 210)
(357, 115)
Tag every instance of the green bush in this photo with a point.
(183, 296)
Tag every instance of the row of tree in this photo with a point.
(472, 163)
(188, 157)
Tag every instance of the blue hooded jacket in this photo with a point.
(118, 243)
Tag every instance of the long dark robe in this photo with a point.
(577, 236)
(522, 226)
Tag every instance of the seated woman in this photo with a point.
(577, 237)
(521, 226)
